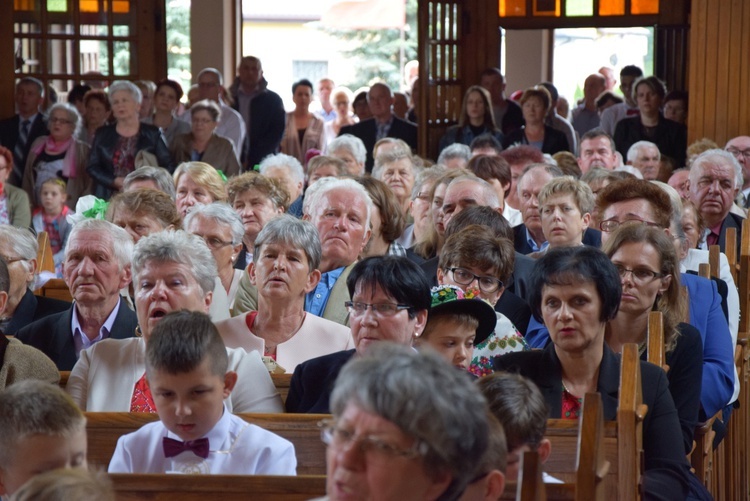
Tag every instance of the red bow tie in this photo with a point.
(173, 447)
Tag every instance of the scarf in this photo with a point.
(54, 148)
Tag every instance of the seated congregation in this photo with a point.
(180, 292)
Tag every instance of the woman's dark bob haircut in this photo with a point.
(571, 266)
(399, 277)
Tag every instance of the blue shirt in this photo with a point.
(316, 300)
(532, 243)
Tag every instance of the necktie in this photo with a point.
(174, 447)
(20, 149)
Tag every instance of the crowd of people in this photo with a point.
(231, 240)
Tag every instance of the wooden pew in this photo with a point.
(163, 487)
(622, 439)
(281, 382)
(55, 288)
(588, 456)
(104, 428)
(45, 260)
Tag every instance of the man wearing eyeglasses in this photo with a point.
(740, 147)
(715, 178)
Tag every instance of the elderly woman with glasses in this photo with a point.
(202, 144)
(393, 436)
(59, 156)
(120, 148)
(390, 298)
(18, 247)
(221, 228)
(172, 270)
(577, 291)
(284, 269)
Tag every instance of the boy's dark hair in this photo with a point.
(182, 340)
(486, 141)
(519, 406)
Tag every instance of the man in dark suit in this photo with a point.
(383, 123)
(262, 110)
(715, 179)
(96, 268)
(19, 131)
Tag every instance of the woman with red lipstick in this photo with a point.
(576, 291)
(649, 269)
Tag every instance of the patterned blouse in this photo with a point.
(505, 339)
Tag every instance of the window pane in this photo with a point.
(546, 7)
(579, 8)
(611, 7)
(178, 42)
(25, 5)
(59, 57)
(120, 30)
(57, 5)
(644, 6)
(122, 60)
(511, 8)
(60, 29)
(28, 53)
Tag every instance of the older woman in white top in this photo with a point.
(284, 269)
(172, 270)
(222, 230)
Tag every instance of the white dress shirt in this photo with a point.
(236, 447)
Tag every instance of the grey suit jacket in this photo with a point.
(335, 311)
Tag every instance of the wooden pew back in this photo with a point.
(137, 487)
(104, 428)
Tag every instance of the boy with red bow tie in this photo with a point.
(186, 368)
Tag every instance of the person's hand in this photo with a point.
(118, 183)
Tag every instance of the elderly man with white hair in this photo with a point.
(96, 268)
(287, 170)
(340, 210)
(645, 156)
(715, 179)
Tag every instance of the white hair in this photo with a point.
(713, 155)
(287, 162)
(635, 148)
(341, 184)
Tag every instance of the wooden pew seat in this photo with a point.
(165, 487)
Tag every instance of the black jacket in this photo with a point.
(9, 138)
(367, 131)
(667, 470)
(100, 166)
(312, 383)
(554, 140)
(53, 337)
(266, 127)
(669, 136)
(30, 309)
